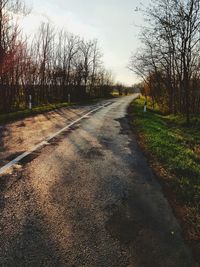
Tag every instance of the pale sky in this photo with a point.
(112, 22)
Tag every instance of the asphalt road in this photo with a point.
(20, 136)
(89, 199)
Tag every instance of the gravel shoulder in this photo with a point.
(23, 135)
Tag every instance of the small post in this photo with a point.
(69, 98)
(30, 101)
(145, 106)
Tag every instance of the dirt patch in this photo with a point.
(93, 153)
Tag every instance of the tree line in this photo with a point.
(50, 66)
(169, 63)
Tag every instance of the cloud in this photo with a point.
(110, 23)
(59, 18)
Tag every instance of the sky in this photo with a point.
(115, 23)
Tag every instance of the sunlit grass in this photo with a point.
(175, 146)
(26, 113)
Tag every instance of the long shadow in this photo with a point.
(28, 242)
(148, 231)
(140, 219)
(136, 223)
(92, 245)
(86, 202)
(31, 247)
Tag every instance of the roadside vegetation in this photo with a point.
(168, 64)
(21, 114)
(24, 113)
(168, 58)
(173, 149)
(49, 66)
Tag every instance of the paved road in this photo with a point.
(89, 199)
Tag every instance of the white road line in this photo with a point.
(43, 143)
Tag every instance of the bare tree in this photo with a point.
(169, 61)
(56, 63)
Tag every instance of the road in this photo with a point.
(20, 136)
(89, 199)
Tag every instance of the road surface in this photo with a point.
(20, 136)
(89, 199)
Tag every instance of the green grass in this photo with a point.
(4, 118)
(175, 146)
(14, 116)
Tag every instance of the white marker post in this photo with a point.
(30, 101)
(145, 106)
(69, 98)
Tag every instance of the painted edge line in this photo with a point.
(45, 142)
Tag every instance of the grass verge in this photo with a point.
(173, 150)
(18, 115)
(8, 117)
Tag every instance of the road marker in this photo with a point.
(45, 142)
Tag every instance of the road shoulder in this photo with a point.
(184, 214)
